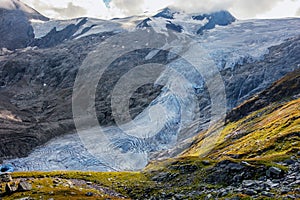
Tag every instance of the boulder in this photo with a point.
(267, 194)
(274, 172)
(248, 183)
(250, 192)
(24, 186)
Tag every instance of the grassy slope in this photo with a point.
(263, 128)
(270, 132)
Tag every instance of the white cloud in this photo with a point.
(298, 12)
(128, 7)
(265, 8)
(62, 9)
(199, 6)
(120, 8)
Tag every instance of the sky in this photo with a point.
(106, 9)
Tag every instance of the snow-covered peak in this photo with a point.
(191, 23)
(221, 18)
(167, 13)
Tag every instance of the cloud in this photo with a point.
(133, 7)
(61, 11)
(199, 6)
(71, 11)
(248, 9)
(242, 9)
(298, 12)
(128, 7)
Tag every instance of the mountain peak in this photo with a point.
(17, 5)
(177, 20)
(167, 13)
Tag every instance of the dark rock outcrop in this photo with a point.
(174, 27)
(144, 23)
(166, 13)
(15, 29)
(251, 78)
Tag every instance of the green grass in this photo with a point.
(267, 134)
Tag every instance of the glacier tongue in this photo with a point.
(239, 43)
(177, 104)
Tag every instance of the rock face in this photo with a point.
(44, 108)
(284, 88)
(20, 6)
(274, 172)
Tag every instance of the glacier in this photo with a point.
(159, 126)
